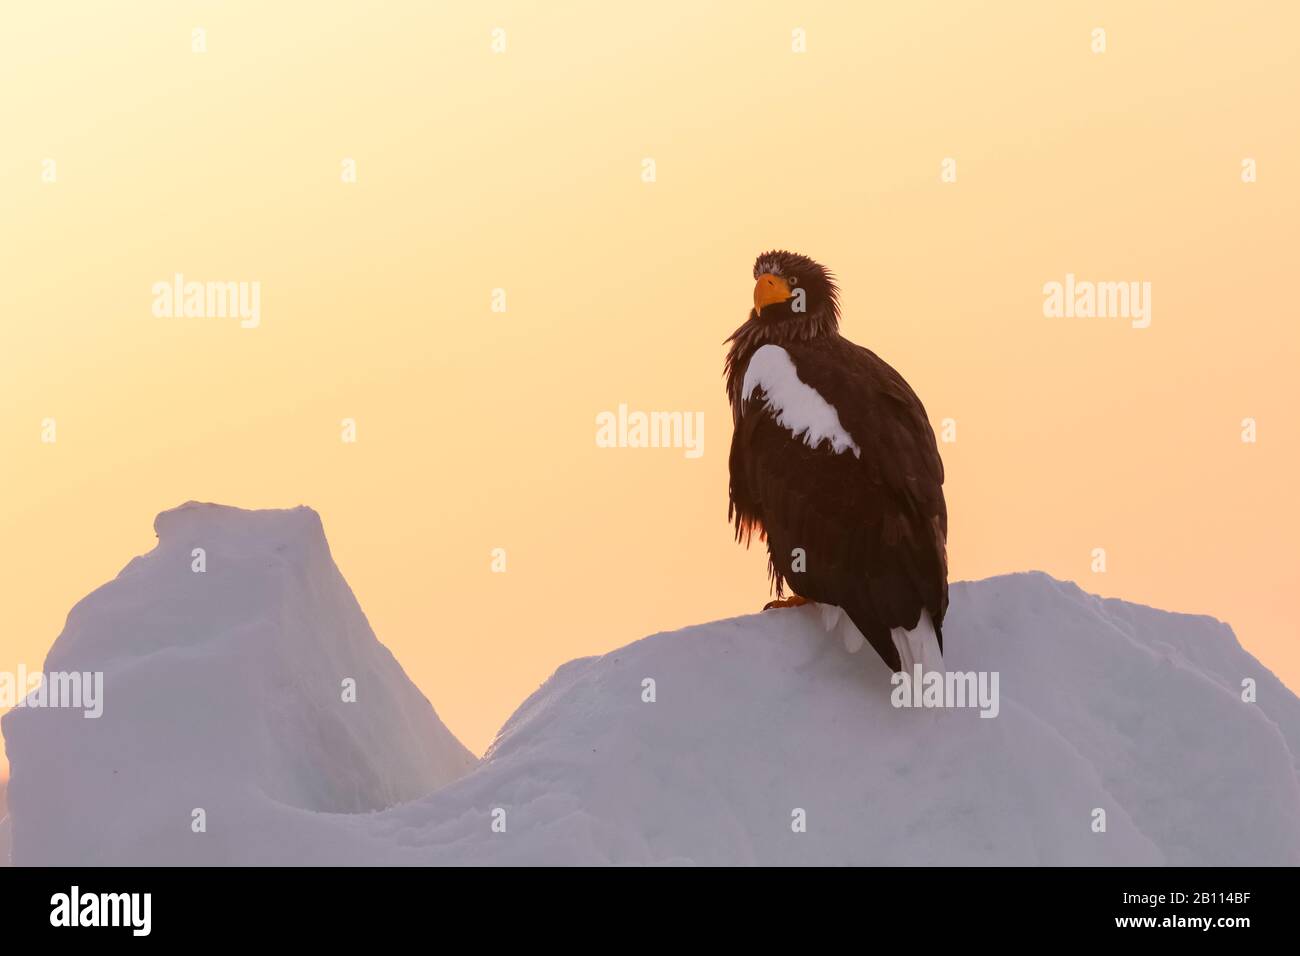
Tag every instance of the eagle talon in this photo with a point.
(793, 600)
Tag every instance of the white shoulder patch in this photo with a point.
(796, 406)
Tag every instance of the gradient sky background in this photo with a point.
(522, 170)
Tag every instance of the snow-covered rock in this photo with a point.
(765, 742)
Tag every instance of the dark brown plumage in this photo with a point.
(873, 527)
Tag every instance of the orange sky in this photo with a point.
(522, 170)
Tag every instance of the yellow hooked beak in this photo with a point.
(770, 288)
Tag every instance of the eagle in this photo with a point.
(833, 462)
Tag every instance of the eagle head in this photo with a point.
(795, 300)
(789, 287)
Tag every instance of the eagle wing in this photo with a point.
(833, 459)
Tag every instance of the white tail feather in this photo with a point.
(837, 622)
(920, 645)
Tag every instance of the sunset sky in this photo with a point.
(523, 170)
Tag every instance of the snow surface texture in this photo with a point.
(222, 693)
(4, 825)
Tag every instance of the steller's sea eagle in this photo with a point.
(834, 462)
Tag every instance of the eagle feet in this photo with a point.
(793, 600)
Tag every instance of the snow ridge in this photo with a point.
(755, 740)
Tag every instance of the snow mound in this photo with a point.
(757, 740)
(4, 825)
(4, 841)
(223, 691)
(1103, 705)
